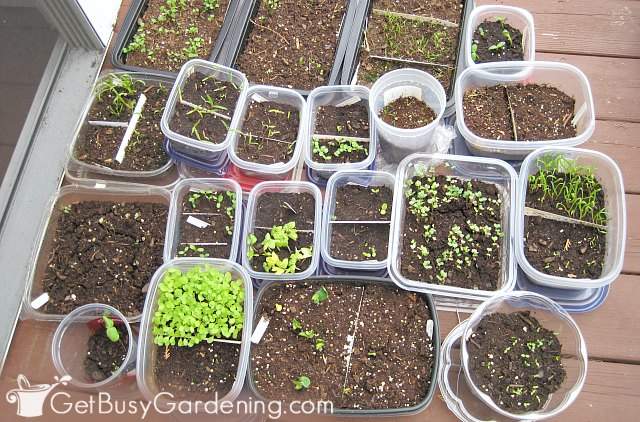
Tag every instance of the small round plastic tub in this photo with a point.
(249, 224)
(517, 17)
(552, 317)
(363, 178)
(407, 83)
(608, 174)
(567, 78)
(277, 171)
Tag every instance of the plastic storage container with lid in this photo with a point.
(148, 351)
(565, 77)
(487, 170)
(609, 176)
(552, 317)
(217, 167)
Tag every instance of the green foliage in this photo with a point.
(122, 90)
(274, 243)
(272, 4)
(193, 250)
(320, 296)
(302, 383)
(138, 43)
(112, 332)
(193, 46)
(343, 146)
(320, 344)
(210, 5)
(507, 36)
(474, 52)
(497, 47)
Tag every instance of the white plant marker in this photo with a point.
(137, 112)
(39, 302)
(197, 222)
(348, 102)
(260, 329)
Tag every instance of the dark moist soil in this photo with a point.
(516, 361)
(166, 42)
(278, 122)
(564, 249)
(145, 152)
(450, 10)
(407, 113)
(278, 209)
(540, 112)
(211, 128)
(104, 252)
(293, 45)
(492, 35)
(392, 325)
(483, 271)
(351, 120)
(104, 357)
(357, 203)
(197, 372)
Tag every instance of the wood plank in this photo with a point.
(632, 252)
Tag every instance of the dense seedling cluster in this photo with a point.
(340, 146)
(120, 90)
(276, 244)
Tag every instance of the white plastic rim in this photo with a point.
(610, 177)
(249, 222)
(517, 17)
(563, 76)
(541, 302)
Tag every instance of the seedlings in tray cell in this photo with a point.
(110, 329)
(210, 5)
(320, 296)
(276, 242)
(302, 383)
(190, 249)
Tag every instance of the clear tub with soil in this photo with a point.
(216, 369)
(201, 113)
(500, 33)
(205, 219)
(341, 133)
(356, 220)
(491, 100)
(270, 133)
(281, 234)
(95, 347)
(452, 226)
(100, 243)
(552, 360)
(363, 344)
(595, 260)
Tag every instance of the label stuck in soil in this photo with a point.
(197, 222)
(258, 98)
(137, 112)
(38, 302)
(261, 328)
(348, 102)
(402, 91)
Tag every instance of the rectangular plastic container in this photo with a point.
(608, 174)
(485, 170)
(90, 190)
(364, 178)
(249, 223)
(147, 349)
(567, 78)
(193, 147)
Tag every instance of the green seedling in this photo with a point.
(302, 383)
(121, 89)
(190, 249)
(112, 332)
(370, 253)
(501, 20)
(497, 47)
(296, 325)
(383, 208)
(278, 307)
(308, 334)
(320, 344)
(481, 31)
(474, 52)
(507, 35)
(320, 296)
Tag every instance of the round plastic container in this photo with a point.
(567, 78)
(608, 174)
(517, 17)
(69, 346)
(554, 318)
(249, 223)
(403, 83)
(147, 351)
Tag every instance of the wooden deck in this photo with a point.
(603, 39)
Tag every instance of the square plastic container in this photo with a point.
(608, 174)
(207, 151)
(567, 78)
(487, 170)
(280, 96)
(249, 223)
(147, 349)
(71, 194)
(364, 178)
(517, 17)
(335, 96)
(175, 212)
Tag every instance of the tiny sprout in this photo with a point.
(383, 208)
(320, 343)
(497, 47)
(278, 307)
(308, 334)
(112, 332)
(501, 20)
(320, 296)
(507, 35)
(372, 354)
(474, 52)
(302, 383)
(296, 325)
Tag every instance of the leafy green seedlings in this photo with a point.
(498, 46)
(190, 250)
(474, 52)
(320, 344)
(370, 253)
(302, 383)
(320, 296)
(110, 329)
(384, 208)
(275, 242)
(340, 146)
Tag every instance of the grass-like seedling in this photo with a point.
(121, 90)
(276, 242)
(110, 329)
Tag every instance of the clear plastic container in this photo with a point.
(89, 190)
(567, 78)
(517, 17)
(487, 170)
(249, 223)
(175, 212)
(608, 174)
(404, 83)
(552, 317)
(147, 351)
(208, 151)
(335, 96)
(70, 344)
(364, 178)
(280, 96)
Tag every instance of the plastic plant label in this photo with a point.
(258, 98)
(197, 222)
(348, 102)
(137, 112)
(430, 329)
(261, 328)
(100, 186)
(579, 114)
(39, 302)
(402, 91)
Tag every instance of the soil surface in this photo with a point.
(292, 44)
(540, 112)
(516, 361)
(104, 357)
(407, 113)
(350, 120)
(165, 40)
(490, 34)
(450, 10)
(361, 242)
(104, 252)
